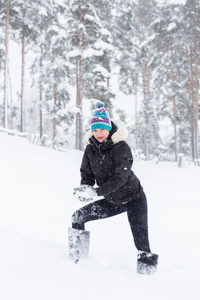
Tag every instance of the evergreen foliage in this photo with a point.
(72, 50)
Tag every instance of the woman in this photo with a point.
(107, 161)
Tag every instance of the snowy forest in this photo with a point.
(76, 52)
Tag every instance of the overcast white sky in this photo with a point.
(174, 1)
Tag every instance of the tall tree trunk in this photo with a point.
(196, 87)
(22, 76)
(11, 101)
(40, 112)
(79, 125)
(145, 80)
(54, 119)
(196, 112)
(174, 102)
(41, 95)
(191, 95)
(79, 93)
(146, 76)
(5, 112)
(193, 104)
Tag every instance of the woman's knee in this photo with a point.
(77, 220)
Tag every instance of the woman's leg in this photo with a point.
(138, 220)
(97, 210)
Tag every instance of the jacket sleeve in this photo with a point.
(87, 176)
(123, 161)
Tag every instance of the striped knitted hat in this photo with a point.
(100, 118)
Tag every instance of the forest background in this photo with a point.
(141, 58)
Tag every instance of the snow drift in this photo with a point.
(36, 204)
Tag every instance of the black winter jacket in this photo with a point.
(109, 165)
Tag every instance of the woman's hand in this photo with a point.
(85, 193)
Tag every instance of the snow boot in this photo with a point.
(79, 242)
(147, 262)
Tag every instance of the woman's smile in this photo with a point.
(101, 134)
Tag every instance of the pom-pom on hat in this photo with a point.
(100, 118)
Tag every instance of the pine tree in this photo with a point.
(51, 68)
(166, 28)
(91, 51)
(135, 58)
(74, 44)
(19, 33)
(175, 77)
(19, 23)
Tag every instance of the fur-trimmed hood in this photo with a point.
(120, 135)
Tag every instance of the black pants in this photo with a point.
(101, 209)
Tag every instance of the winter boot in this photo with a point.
(79, 242)
(147, 263)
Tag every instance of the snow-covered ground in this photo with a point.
(35, 207)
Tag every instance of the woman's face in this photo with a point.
(101, 134)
